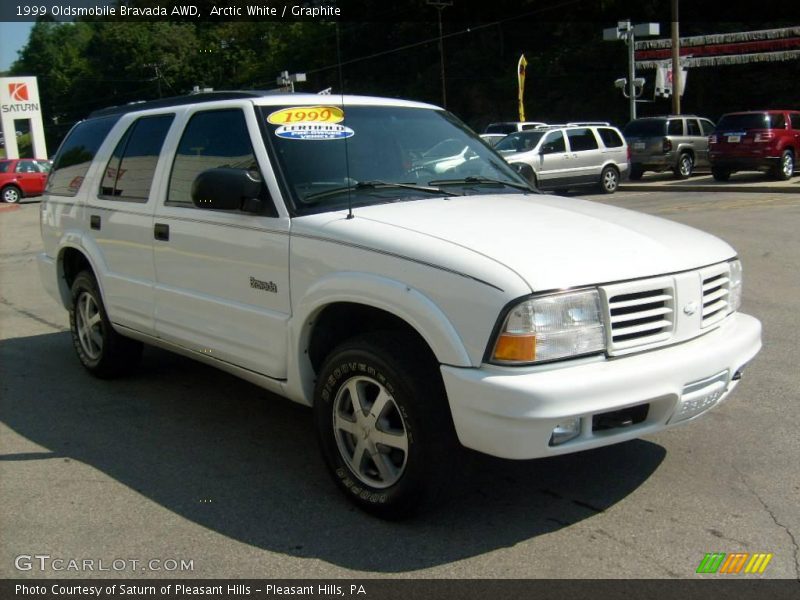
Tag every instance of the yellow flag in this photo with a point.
(521, 80)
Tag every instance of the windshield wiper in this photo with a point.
(375, 185)
(482, 180)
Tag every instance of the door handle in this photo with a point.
(94, 221)
(161, 232)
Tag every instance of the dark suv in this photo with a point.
(764, 140)
(674, 142)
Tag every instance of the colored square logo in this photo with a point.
(18, 91)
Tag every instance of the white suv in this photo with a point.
(561, 157)
(311, 245)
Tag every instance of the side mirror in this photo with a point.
(224, 188)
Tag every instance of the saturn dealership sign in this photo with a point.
(19, 101)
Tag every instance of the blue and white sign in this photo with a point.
(314, 131)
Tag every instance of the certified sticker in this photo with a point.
(307, 114)
(314, 131)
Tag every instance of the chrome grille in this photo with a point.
(716, 289)
(641, 317)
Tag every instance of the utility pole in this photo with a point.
(676, 61)
(440, 5)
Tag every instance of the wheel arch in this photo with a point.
(342, 306)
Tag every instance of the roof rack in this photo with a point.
(588, 123)
(181, 100)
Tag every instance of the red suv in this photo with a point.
(755, 141)
(22, 177)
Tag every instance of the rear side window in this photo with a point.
(212, 139)
(795, 118)
(581, 139)
(76, 154)
(693, 127)
(708, 126)
(778, 121)
(129, 173)
(675, 127)
(610, 137)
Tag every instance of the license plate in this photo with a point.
(733, 139)
(638, 145)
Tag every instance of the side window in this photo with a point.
(675, 127)
(610, 137)
(217, 138)
(708, 126)
(581, 139)
(129, 173)
(778, 121)
(26, 166)
(553, 143)
(693, 127)
(795, 119)
(76, 154)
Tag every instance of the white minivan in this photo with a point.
(572, 156)
(317, 247)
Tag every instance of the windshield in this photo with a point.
(645, 128)
(745, 121)
(376, 154)
(522, 141)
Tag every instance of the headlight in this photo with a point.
(551, 327)
(735, 298)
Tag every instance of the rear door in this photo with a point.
(586, 158)
(120, 216)
(222, 277)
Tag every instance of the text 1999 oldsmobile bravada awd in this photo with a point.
(313, 246)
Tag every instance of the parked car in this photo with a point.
(507, 127)
(492, 138)
(560, 158)
(20, 178)
(763, 140)
(676, 143)
(294, 243)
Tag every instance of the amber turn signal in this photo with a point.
(516, 347)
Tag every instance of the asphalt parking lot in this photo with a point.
(184, 463)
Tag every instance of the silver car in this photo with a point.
(677, 143)
(564, 157)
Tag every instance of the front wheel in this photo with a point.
(685, 166)
(383, 424)
(11, 194)
(102, 351)
(609, 180)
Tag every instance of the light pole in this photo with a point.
(440, 5)
(625, 30)
(676, 60)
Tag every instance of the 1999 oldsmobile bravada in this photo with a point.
(374, 259)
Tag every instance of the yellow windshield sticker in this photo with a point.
(306, 114)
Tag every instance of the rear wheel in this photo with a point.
(720, 174)
(609, 180)
(685, 166)
(636, 173)
(11, 194)
(383, 424)
(102, 351)
(785, 168)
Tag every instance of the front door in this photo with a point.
(222, 277)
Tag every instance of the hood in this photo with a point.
(549, 242)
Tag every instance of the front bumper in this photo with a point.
(511, 412)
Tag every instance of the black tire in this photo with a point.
(101, 350)
(720, 174)
(393, 369)
(609, 180)
(685, 166)
(785, 169)
(11, 194)
(636, 173)
(561, 191)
